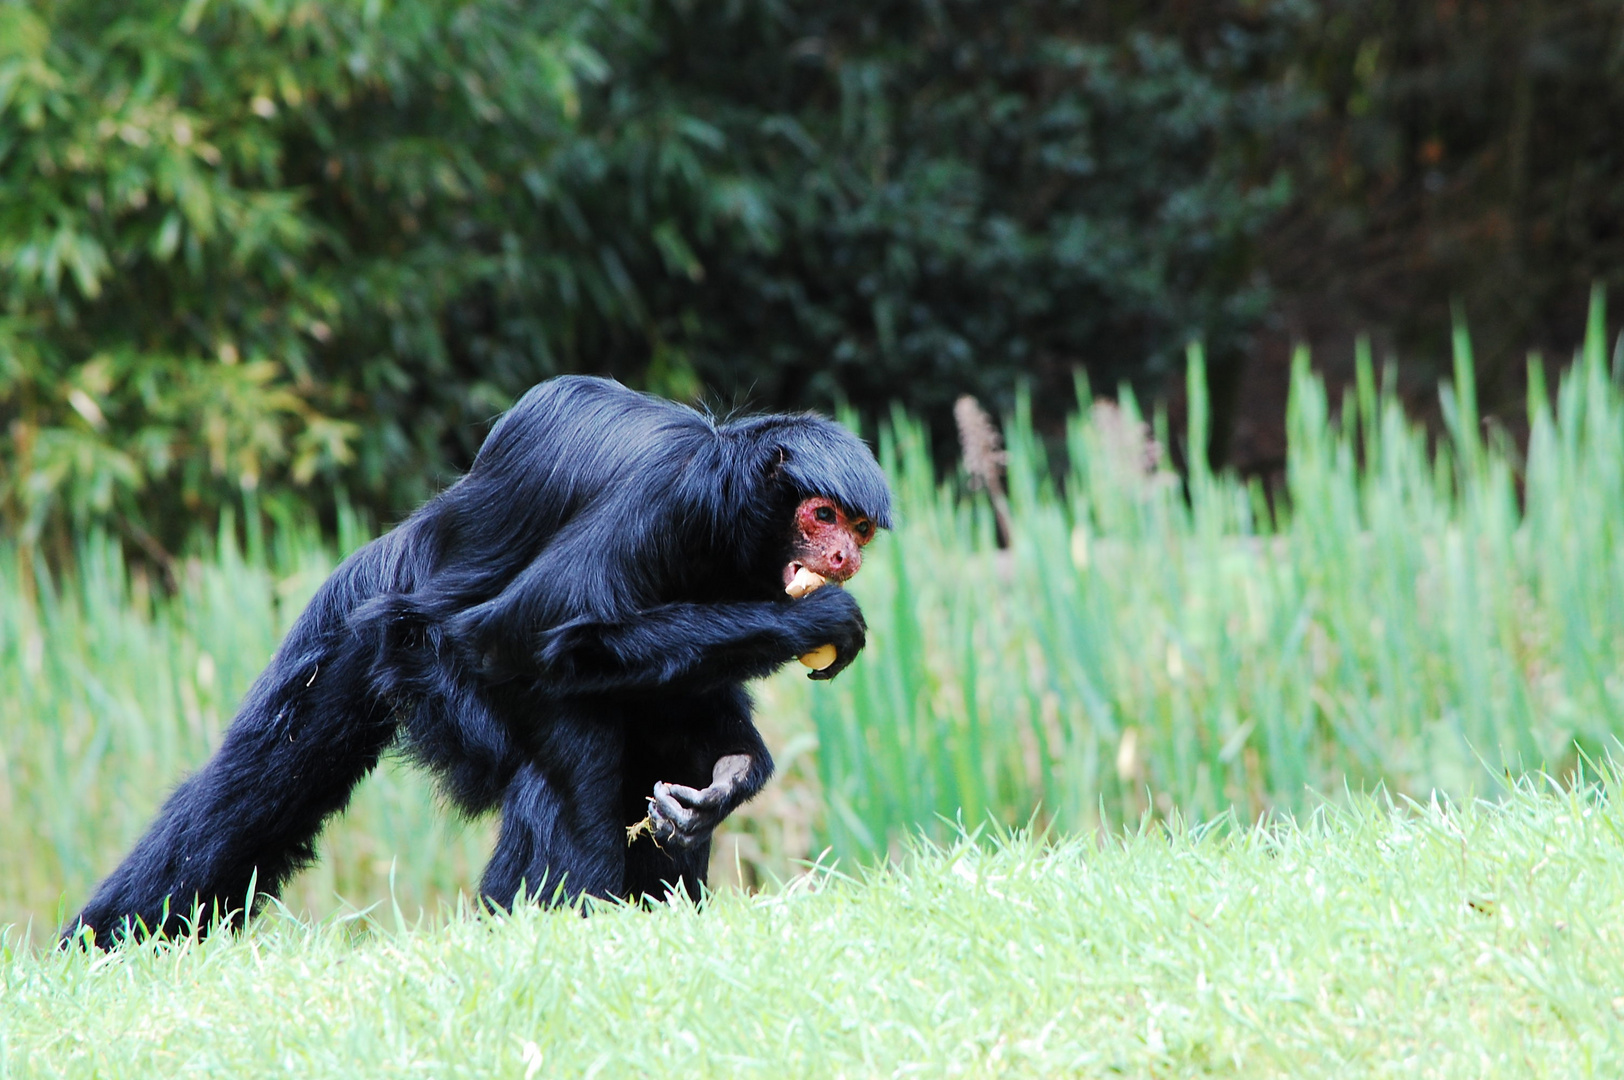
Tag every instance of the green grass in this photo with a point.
(1478, 940)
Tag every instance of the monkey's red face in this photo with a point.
(827, 542)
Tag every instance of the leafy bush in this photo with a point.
(236, 236)
(253, 244)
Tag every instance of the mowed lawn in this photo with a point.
(1480, 940)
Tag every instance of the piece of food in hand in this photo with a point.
(820, 657)
(802, 582)
(805, 581)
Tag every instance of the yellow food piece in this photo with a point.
(803, 582)
(820, 657)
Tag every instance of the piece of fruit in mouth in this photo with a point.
(804, 581)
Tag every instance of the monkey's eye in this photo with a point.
(825, 514)
(864, 528)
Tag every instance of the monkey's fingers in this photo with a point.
(693, 798)
(664, 806)
(679, 824)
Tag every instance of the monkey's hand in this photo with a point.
(684, 816)
(831, 617)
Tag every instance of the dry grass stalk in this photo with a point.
(984, 459)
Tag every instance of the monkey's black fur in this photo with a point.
(568, 624)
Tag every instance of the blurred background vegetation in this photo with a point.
(1428, 616)
(269, 268)
(296, 248)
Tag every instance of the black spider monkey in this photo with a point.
(564, 632)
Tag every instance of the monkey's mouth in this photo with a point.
(800, 579)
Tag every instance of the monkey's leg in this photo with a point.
(302, 741)
(561, 830)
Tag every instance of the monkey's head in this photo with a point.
(826, 540)
(813, 498)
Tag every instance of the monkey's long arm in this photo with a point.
(698, 645)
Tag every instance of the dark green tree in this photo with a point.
(909, 201)
(239, 236)
(282, 246)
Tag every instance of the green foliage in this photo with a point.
(282, 246)
(234, 230)
(275, 247)
(1422, 617)
(1443, 940)
(911, 201)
